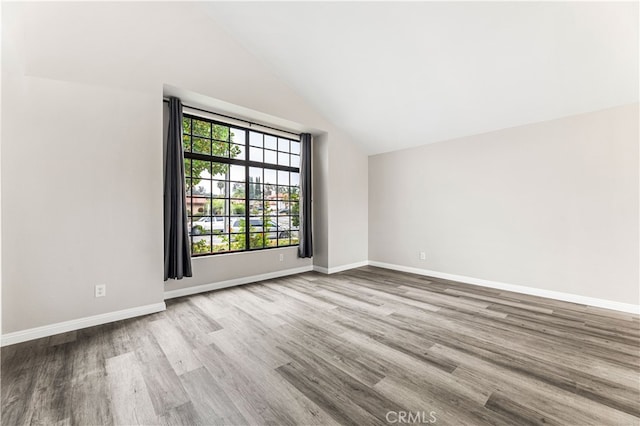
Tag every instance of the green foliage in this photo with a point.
(238, 209)
(238, 190)
(255, 189)
(217, 206)
(295, 207)
(201, 143)
(258, 240)
(239, 241)
(200, 247)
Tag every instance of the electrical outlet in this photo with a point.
(101, 290)
(281, 257)
(423, 255)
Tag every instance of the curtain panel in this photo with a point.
(177, 250)
(305, 249)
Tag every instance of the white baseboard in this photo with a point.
(77, 324)
(550, 294)
(340, 268)
(171, 294)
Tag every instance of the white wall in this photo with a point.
(82, 153)
(320, 197)
(348, 176)
(552, 205)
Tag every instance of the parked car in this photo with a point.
(273, 229)
(208, 224)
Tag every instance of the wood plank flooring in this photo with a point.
(360, 347)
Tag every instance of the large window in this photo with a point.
(242, 187)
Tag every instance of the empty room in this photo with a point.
(320, 213)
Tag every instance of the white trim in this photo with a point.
(550, 294)
(77, 324)
(234, 282)
(340, 268)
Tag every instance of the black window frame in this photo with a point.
(247, 163)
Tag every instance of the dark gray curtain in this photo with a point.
(306, 242)
(177, 251)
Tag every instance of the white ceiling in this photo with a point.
(395, 75)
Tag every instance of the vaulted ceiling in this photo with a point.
(400, 74)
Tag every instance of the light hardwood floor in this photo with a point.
(357, 347)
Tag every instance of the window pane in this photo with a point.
(283, 208)
(201, 128)
(238, 242)
(295, 161)
(237, 225)
(271, 240)
(283, 159)
(237, 151)
(221, 149)
(270, 157)
(186, 143)
(202, 187)
(202, 226)
(295, 147)
(220, 243)
(256, 207)
(202, 146)
(219, 188)
(270, 207)
(238, 190)
(284, 238)
(255, 174)
(294, 208)
(237, 136)
(255, 224)
(283, 177)
(295, 179)
(237, 173)
(256, 240)
(187, 196)
(283, 192)
(272, 223)
(221, 133)
(255, 191)
(199, 205)
(218, 207)
(270, 176)
(186, 125)
(187, 167)
(199, 169)
(237, 209)
(217, 170)
(295, 237)
(255, 139)
(283, 145)
(201, 244)
(255, 154)
(270, 142)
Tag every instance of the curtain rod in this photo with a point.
(250, 123)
